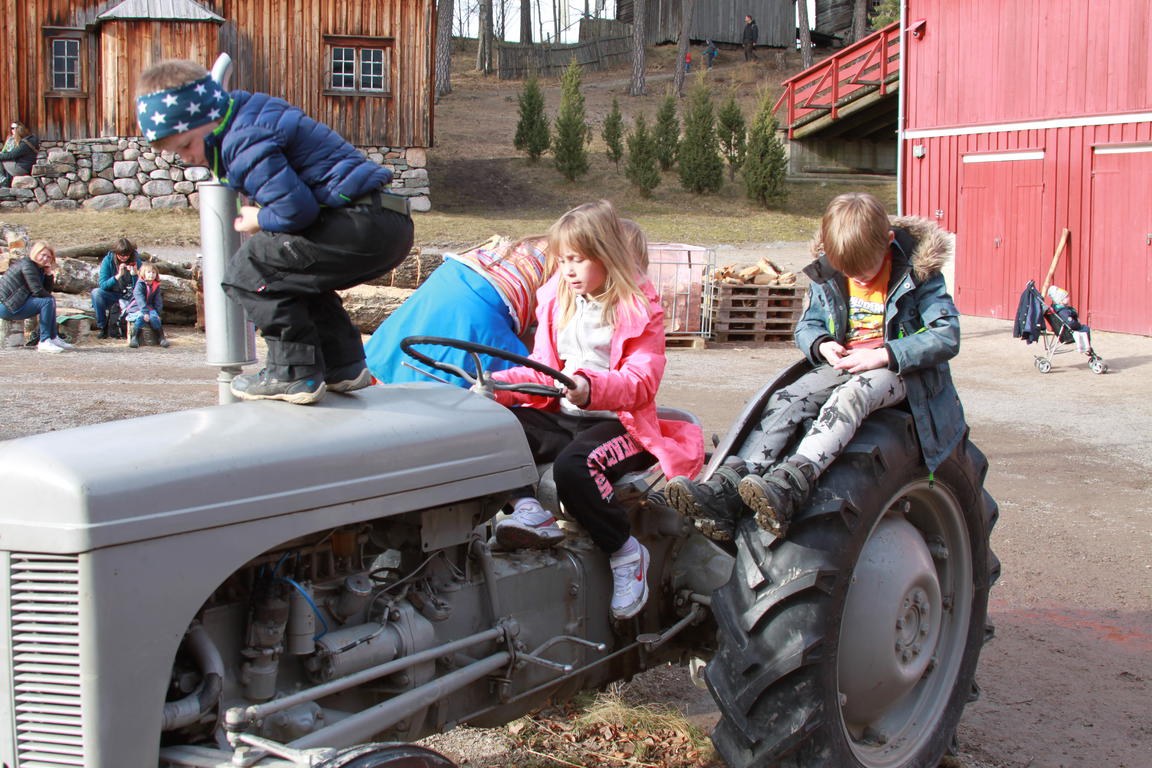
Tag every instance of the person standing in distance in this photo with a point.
(749, 38)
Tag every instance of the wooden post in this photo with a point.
(1055, 260)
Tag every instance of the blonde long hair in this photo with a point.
(594, 231)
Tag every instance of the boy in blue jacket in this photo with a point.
(880, 328)
(322, 221)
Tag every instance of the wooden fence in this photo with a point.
(515, 61)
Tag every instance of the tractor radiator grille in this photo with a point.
(45, 605)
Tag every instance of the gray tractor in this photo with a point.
(259, 584)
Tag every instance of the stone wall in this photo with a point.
(105, 174)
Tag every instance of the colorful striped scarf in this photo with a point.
(515, 270)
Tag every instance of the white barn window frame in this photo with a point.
(358, 66)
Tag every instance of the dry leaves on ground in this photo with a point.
(610, 732)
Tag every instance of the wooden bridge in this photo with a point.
(851, 94)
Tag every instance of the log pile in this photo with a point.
(78, 269)
(763, 272)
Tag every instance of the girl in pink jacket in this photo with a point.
(600, 322)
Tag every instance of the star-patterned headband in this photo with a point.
(176, 110)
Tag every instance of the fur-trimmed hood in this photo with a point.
(931, 247)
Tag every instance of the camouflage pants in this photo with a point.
(835, 403)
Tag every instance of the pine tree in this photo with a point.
(532, 129)
(571, 128)
(667, 132)
(701, 167)
(732, 134)
(765, 166)
(613, 134)
(884, 13)
(642, 168)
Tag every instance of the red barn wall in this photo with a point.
(1025, 118)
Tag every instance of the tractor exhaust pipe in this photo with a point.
(229, 335)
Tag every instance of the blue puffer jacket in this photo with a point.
(287, 162)
(921, 329)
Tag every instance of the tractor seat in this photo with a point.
(629, 487)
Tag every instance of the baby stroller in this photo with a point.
(1056, 326)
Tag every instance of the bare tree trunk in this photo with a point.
(484, 44)
(859, 20)
(805, 34)
(639, 10)
(525, 21)
(686, 9)
(444, 11)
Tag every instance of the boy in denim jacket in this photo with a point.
(879, 329)
(322, 221)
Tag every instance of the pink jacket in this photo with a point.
(629, 388)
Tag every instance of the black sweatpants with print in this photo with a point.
(587, 455)
(287, 282)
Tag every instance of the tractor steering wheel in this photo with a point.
(482, 380)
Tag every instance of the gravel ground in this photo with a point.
(1068, 678)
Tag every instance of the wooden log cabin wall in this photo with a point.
(365, 67)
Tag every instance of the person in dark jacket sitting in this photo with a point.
(18, 154)
(323, 221)
(26, 290)
(879, 328)
(114, 283)
(146, 306)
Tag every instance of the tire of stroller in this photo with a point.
(1096, 365)
(1042, 365)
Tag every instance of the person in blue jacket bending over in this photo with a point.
(323, 221)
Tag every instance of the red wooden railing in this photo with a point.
(824, 87)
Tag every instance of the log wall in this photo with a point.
(278, 45)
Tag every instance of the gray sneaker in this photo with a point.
(261, 386)
(348, 378)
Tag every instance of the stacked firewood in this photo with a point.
(15, 245)
(763, 272)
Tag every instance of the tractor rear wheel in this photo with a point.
(853, 642)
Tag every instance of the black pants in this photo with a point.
(749, 52)
(588, 455)
(287, 282)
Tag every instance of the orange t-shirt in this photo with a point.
(866, 309)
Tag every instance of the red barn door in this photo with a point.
(1120, 275)
(998, 233)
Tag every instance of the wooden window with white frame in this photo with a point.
(358, 65)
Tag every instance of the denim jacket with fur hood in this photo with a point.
(921, 328)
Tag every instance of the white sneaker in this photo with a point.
(48, 346)
(629, 583)
(60, 343)
(529, 526)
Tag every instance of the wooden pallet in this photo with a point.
(685, 342)
(756, 337)
(755, 313)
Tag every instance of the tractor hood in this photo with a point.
(400, 447)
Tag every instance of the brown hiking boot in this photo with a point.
(776, 496)
(715, 503)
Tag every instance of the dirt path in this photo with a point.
(1068, 678)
